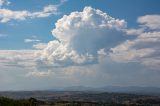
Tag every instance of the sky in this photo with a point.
(47, 44)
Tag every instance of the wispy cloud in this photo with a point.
(150, 21)
(31, 40)
(145, 47)
(4, 2)
(39, 73)
(2, 35)
(40, 46)
(7, 15)
(17, 58)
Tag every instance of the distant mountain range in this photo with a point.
(117, 89)
(152, 91)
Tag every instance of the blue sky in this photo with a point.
(20, 30)
(79, 42)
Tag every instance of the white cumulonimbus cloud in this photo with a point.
(81, 35)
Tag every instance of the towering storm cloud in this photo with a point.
(81, 35)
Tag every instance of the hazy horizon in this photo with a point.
(47, 44)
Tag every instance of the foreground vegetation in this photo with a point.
(83, 99)
(24, 102)
(34, 102)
